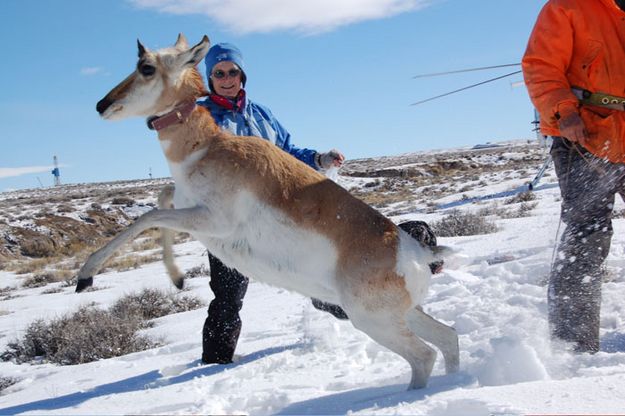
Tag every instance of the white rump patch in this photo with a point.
(413, 264)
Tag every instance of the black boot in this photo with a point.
(219, 341)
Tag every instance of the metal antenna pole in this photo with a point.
(542, 139)
(56, 172)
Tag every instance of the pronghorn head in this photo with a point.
(162, 79)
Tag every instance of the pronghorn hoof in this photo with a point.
(179, 283)
(83, 284)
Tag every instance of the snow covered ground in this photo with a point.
(294, 359)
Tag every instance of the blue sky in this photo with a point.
(336, 73)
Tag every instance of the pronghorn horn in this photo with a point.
(181, 43)
(141, 48)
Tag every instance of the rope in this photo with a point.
(566, 181)
(458, 71)
(595, 167)
(466, 88)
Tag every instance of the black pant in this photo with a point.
(223, 324)
(588, 186)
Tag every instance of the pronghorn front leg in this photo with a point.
(165, 201)
(185, 220)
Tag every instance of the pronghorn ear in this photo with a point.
(181, 43)
(194, 55)
(141, 48)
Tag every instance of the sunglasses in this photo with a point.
(232, 73)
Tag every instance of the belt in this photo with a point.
(600, 99)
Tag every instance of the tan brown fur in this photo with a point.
(306, 196)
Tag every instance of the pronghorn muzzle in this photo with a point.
(103, 104)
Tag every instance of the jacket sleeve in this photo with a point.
(548, 55)
(283, 141)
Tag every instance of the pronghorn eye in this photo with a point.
(147, 70)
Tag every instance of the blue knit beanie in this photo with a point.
(224, 52)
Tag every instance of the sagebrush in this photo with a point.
(6, 382)
(91, 333)
(458, 223)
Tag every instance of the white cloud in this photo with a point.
(11, 172)
(90, 70)
(309, 16)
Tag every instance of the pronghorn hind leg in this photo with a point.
(166, 201)
(381, 315)
(421, 358)
(442, 336)
(392, 332)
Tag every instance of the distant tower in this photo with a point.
(150, 172)
(56, 172)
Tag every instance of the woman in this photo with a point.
(234, 112)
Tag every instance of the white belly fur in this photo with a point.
(267, 246)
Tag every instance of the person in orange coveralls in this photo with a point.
(574, 69)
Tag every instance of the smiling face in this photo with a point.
(229, 84)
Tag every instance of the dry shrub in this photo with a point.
(525, 208)
(526, 196)
(129, 262)
(197, 271)
(64, 208)
(42, 279)
(32, 265)
(153, 303)
(182, 238)
(38, 280)
(6, 290)
(389, 192)
(459, 223)
(522, 211)
(52, 290)
(123, 200)
(145, 244)
(6, 382)
(7, 293)
(87, 335)
(492, 210)
(92, 334)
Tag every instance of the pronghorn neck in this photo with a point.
(179, 93)
(179, 114)
(195, 134)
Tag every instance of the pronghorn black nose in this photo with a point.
(102, 105)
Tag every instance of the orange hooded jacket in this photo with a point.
(579, 43)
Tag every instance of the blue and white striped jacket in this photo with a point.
(257, 120)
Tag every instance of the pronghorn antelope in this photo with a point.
(275, 219)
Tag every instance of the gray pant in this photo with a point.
(588, 186)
